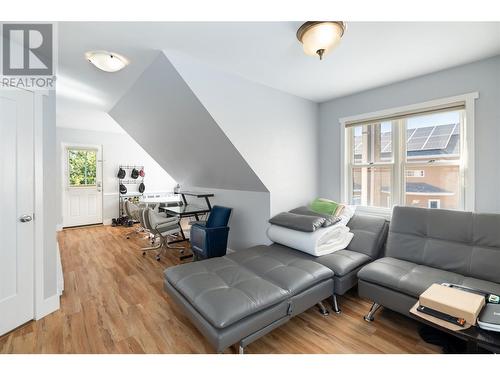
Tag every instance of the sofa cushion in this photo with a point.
(386, 272)
(343, 261)
(369, 232)
(462, 242)
(413, 279)
(227, 289)
(281, 267)
(486, 286)
(340, 262)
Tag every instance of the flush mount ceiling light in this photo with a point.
(107, 61)
(320, 37)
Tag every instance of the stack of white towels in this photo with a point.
(322, 241)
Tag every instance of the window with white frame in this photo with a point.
(417, 158)
(434, 203)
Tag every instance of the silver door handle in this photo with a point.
(25, 219)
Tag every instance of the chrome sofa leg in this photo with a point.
(241, 349)
(322, 309)
(335, 304)
(369, 317)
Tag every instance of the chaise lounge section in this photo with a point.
(426, 246)
(242, 296)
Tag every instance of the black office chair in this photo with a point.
(209, 239)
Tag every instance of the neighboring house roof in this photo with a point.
(415, 188)
(424, 188)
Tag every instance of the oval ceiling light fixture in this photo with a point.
(320, 37)
(107, 61)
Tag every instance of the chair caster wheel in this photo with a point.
(181, 251)
(143, 253)
(128, 238)
(368, 319)
(157, 258)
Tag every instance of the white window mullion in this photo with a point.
(402, 161)
(396, 163)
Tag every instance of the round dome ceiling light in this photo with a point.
(320, 37)
(107, 61)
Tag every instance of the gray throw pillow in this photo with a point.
(304, 210)
(303, 223)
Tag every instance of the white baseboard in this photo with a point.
(107, 221)
(59, 227)
(60, 273)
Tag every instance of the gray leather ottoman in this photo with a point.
(242, 296)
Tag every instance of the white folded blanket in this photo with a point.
(320, 242)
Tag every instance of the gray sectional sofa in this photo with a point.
(426, 246)
(242, 296)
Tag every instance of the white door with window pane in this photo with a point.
(17, 214)
(82, 184)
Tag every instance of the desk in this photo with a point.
(196, 194)
(157, 200)
(187, 210)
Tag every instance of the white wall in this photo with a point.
(165, 117)
(50, 202)
(227, 135)
(274, 131)
(482, 76)
(118, 148)
(249, 217)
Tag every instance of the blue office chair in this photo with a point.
(209, 239)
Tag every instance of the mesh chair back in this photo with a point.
(143, 218)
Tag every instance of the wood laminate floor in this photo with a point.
(114, 303)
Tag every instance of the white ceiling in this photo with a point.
(371, 54)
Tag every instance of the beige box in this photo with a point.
(454, 302)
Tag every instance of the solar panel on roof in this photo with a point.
(439, 137)
(357, 144)
(386, 142)
(436, 143)
(443, 129)
(418, 138)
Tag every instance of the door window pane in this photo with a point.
(82, 167)
(439, 184)
(435, 136)
(372, 186)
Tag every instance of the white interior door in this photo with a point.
(82, 180)
(17, 207)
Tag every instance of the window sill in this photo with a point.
(383, 212)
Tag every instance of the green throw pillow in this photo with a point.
(324, 206)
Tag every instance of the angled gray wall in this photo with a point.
(166, 118)
(274, 131)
